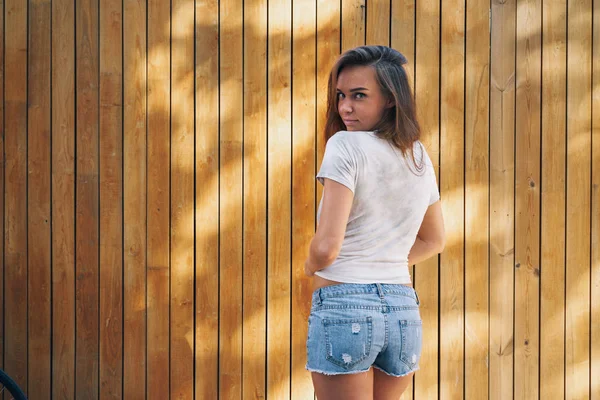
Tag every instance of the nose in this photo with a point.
(344, 106)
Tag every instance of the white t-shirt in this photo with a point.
(390, 200)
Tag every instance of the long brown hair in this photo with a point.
(399, 124)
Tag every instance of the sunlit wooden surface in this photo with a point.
(159, 193)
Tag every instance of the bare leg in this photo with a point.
(386, 387)
(344, 387)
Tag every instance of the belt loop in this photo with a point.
(380, 290)
(319, 298)
(417, 298)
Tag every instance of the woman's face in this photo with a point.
(361, 104)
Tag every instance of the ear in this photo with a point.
(390, 103)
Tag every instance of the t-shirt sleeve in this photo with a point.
(434, 192)
(338, 163)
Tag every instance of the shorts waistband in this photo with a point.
(381, 289)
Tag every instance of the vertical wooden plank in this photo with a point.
(38, 224)
(403, 31)
(477, 73)
(158, 169)
(353, 23)
(2, 183)
(303, 184)
(403, 39)
(527, 192)
(255, 200)
(595, 217)
(135, 199)
(426, 277)
(207, 199)
(279, 198)
(328, 49)
(182, 200)
(579, 142)
(231, 197)
(111, 195)
(63, 199)
(15, 228)
(378, 22)
(502, 117)
(552, 313)
(452, 189)
(87, 198)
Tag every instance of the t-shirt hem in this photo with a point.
(345, 279)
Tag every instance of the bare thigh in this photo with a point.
(344, 387)
(386, 387)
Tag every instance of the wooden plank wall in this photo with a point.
(158, 164)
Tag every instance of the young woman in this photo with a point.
(379, 214)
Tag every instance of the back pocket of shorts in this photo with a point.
(412, 342)
(348, 341)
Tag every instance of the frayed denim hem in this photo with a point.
(335, 373)
(394, 375)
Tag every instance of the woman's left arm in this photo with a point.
(327, 242)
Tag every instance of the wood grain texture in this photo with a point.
(39, 224)
(579, 142)
(378, 22)
(135, 199)
(87, 197)
(477, 159)
(15, 227)
(304, 58)
(207, 200)
(111, 195)
(231, 200)
(426, 274)
(63, 199)
(158, 177)
(552, 312)
(527, 192)
(353, 23)
(502, 198)
(182, 200)
(595, 216)
(451, 182)
(2, 183)
(279, 199)
(255, 200)
(159, 201)
(402, 32)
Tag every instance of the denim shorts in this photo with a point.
(352, 327)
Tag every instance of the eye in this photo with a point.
(360, 95)
(340, 95)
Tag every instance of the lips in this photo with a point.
(350, 121)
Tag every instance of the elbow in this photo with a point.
(327, 252)
(329, 256)
(435, 245)
(441, 246)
